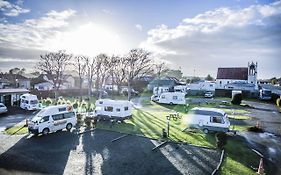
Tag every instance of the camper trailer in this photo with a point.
(113, 109)
(172, 98)
(29, 102)
(208, 119)
(53, 118)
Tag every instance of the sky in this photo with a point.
(194, 36)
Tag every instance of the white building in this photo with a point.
(202, 86)
(237, 77)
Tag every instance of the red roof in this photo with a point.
(237, 73)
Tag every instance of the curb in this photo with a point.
(219, 165)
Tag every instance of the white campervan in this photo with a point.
(29, 102)
(159, 90)
(172, 98)
(53, 118)
(113, 109)
(208, 119)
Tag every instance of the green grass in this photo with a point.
(239, 158)
(17, 129)
(151, 123)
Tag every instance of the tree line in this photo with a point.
(96, 70)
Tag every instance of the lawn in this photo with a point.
(17, 129)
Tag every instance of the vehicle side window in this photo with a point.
(58, 116)
(118, 109)
(44, 119)
(126, 108)
(1, 106)
(69, 115)
(108, 108)
(62, 109)
(216, 119)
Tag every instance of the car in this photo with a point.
(208, 94)
(3, 108)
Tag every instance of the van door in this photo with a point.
(59, 122)
(45, 123)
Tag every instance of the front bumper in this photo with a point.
(33, 131)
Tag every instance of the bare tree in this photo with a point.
(159, 69)
(138, 63)
(102, 71)
(90, 66)
(54, 65)
(80, 68)
(120, 72)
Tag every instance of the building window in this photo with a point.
(220, 82)
(227, 82)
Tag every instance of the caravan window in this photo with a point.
(118, 109)
(33, 102)
(216, 119)
(163, 96)
(58, 117)
(126, 108)
(175, 97)
(100, 102)
(108, 108)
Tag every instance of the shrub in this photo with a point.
(75, 105)
(88, 121)
(221, 139)
(48, 101)
(237, 99)
(79, 119)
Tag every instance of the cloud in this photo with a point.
(222, 37)
(107, 11)
(34, 33)
(9, 9)
(139, 27)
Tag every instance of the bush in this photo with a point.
(88, 121)
(278, 102)
(221, 139)
(237, 99)
(79, 119)
(75, 105)
(48, 101)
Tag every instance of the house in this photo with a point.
(169, 82)
(14, 81)
(45, 82)
(202, 85)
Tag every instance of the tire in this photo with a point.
(45, 131)
(205, 130)
(68, 126)
(171, 103)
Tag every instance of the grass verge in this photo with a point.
(17, 130)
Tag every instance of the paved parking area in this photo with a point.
(95, 153)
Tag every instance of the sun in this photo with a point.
(89, 39)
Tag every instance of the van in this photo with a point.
(29, 102)
(172, 98)
(208, 119)
(113, 109)
(52, 119)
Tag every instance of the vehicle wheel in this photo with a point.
(68, 126)
(45, 131)
(171, 103)
(206, 131)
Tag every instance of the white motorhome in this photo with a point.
(181, 88)
(208, 119)
(172, 98)
(53, 118)
(29, 102)
(113, 109)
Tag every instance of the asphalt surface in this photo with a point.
(95, 153)
(14, 116)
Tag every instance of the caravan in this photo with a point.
(172, 98)
(53, 118)
(29, 102)
(113, 109)
(208, 119)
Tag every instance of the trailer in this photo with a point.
(172, 98)
(113, 109)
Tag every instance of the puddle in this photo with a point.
(266, 134)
